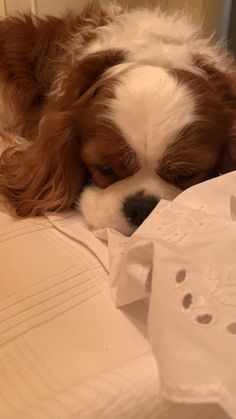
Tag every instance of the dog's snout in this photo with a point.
(137, 208)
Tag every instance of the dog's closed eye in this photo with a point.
(185, 176)
(106, 170)
(103, 175)
(178, 177)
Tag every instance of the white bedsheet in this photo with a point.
(63, 344)
(65, 350)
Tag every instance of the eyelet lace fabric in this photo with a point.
(184, 258)
(194, 293)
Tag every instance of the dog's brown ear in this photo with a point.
(84, 74)
(48, 175)
(227, 161)
(223, 84)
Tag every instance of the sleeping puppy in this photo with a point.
(120, 109)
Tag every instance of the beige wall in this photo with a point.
(213, 11)
(10, 6)
(58, 6)
(209, 11)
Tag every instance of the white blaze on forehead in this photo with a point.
(150, 108)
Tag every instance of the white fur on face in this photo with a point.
(151, 108)
(103, 208)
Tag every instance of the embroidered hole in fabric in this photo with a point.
(232, 328)
(204, 319)
(187, 301)
(180, 276)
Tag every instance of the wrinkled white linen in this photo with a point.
(131, 258)
(185, 252)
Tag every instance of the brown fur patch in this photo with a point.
(50, 173)
(196, 153)
(28, 48)
(224, 86)
(84, 74)
(69, 150)
(33, 51)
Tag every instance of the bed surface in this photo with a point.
(65, 349)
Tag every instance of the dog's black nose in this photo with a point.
(138, 207)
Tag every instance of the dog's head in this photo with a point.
(120, 137)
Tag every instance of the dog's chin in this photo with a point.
(104, 208)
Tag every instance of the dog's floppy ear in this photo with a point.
(47, 175)
(227, 162)
(224, 86)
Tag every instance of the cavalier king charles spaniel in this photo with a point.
(119, 108)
